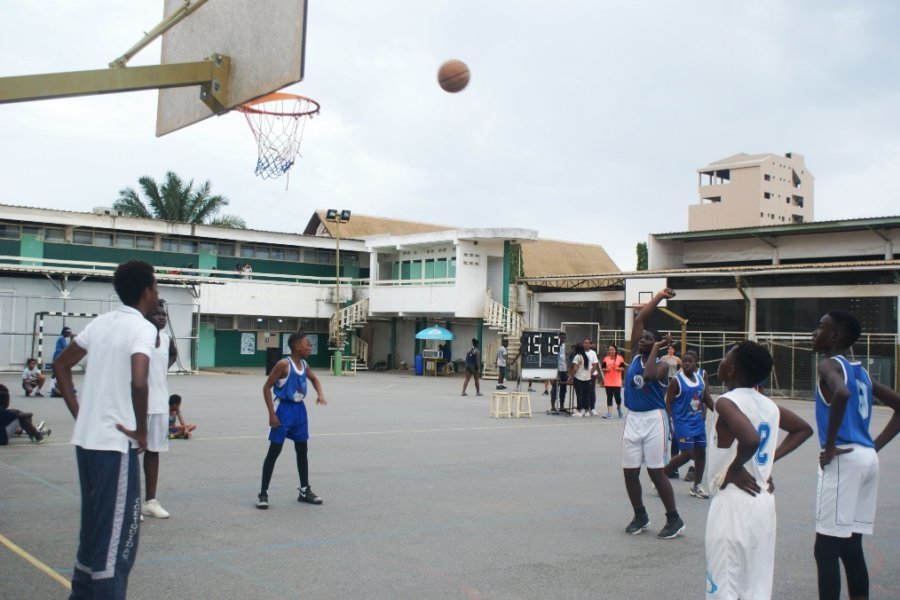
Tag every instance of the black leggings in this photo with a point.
(830, 552)
(613, 391)
(272, 456)
(583, 393)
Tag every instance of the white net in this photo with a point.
(277, 122)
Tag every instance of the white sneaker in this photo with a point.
(593, 413)
(576, 413)
(152, 508)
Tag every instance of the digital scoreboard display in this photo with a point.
(540, 352)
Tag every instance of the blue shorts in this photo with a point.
(689, 442)
(294, 424)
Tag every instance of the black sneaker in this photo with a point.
(638, 524)
(673, 528)
(38, 395)
(672, 474)
(308, 495)
(690, 474)
(262, 501)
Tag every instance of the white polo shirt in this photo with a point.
(159, 374)
(592, 356)
(105, 398)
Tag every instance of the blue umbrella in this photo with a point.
(435, 333)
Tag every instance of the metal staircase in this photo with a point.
(509, 324)
(345, 322)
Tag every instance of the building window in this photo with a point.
(292, 254)
(9, 232)
(143, 242)
(767, 195)
(83, 236)
(224, 322)
(103, 239)
(56, 236)
(767, 177)
(124, 241)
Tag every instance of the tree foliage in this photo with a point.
(176, 201)
(642, 259)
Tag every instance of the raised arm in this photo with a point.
(637, 328)
(891, 399)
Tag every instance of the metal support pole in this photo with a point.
(339, 341)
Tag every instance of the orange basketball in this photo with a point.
(453, 76)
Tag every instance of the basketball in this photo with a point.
(453, 76)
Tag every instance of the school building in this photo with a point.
(236, 295)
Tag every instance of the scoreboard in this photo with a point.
(540, 351)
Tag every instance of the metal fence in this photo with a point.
(794, 368)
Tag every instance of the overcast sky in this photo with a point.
(584, 120)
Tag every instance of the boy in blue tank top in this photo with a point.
(645, 440)
(848, 463)
(686, 400)
(288, 382)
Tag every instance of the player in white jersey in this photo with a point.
(848, 464)
(740, 528)
(163, 357)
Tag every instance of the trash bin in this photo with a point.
(273, 355)
(420, 365)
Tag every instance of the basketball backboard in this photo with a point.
(265, 40)
(642, 290)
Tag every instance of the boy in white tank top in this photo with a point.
(740, 528)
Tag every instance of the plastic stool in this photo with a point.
(500, 405)
(521, 405)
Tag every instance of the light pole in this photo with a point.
(337, 217)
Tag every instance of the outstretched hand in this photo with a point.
(667, 293)
(828, 454)
(741, 478)
(139, 438)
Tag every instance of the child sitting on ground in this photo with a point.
(178, 429)
(12, 420)
(32, 379)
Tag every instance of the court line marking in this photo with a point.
(36, 563)
(386, 432)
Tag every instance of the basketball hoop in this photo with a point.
(277, 121)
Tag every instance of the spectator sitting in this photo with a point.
(32, 380)
(11, 420)
(178, 429)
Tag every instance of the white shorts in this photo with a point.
(11, 428)
(158, 432)
(740, 545)
(645, 440)
(847, 493)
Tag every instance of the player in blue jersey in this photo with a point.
(645, 440)
(686, 400)
(848, 464)
(288, 382)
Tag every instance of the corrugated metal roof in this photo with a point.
(552, 257)
(786, 229)
(360, 226)
(820, 267)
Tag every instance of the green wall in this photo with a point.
(228, 351)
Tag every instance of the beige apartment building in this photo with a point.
(749, 190)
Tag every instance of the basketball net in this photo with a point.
(277, 121)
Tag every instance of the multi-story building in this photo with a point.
(747, 190)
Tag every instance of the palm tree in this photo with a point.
(175, 201)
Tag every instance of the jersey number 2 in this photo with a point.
(765, 433)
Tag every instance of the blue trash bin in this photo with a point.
(420, 365)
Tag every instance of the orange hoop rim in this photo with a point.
(252, 106)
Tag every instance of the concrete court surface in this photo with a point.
(425, 497)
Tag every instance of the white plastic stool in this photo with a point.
(520, 404)
(500, 405)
